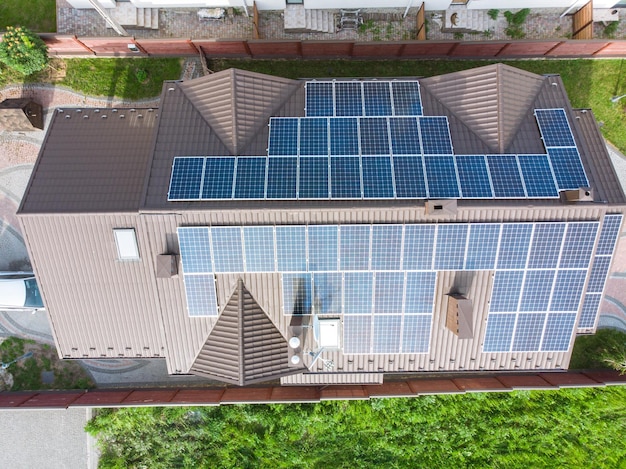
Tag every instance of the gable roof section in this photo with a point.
(236, 103)
(244, 346)
(492, 101)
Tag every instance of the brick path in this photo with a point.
(184, 23)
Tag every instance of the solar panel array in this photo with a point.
(609, 233)
(370, 272)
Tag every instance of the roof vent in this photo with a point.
(441, 207)
(459, 318)
(167, 266)
(582, 194)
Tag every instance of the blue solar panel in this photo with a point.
(538, 176)
(441, 177)
(528, 332)
(514, 244)
(482, 246)
(420, 292)
(377, 177)
(357, 334)
(568, 289)
(409, 177)
(313, 178)
(386, 247)
(419, 247)
(558, 333)
(281, 178)
(537, 290)
(589, 313)
(355, 247)
(201, 296)
(406, 98)
(578, 245)
(474, 176)
(291, 248)
(218, 178)
(404, 136)
(505, 176)
(358, 292)
(416, 334)
(568, 168)
(259, 248)
(599, 273)
(435, 136)
(283, 139)
(313, 137)
(186, 179)
(323, 248)
(345, 177)
(195, 249)
(348, 99)
(344, 137)
(499, 333)
(554, 128)
(388, 292)
(505, 294)
(250, 178)
(374, 136)
(319, 99)
(227, 252)
(546, 245)
(327, 293)
(377, 97)
(387, 334)
(451, 243)
(297, 295)
(608, 235)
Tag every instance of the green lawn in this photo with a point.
(37, 15)
(589, 83)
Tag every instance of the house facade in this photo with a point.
(255, 228)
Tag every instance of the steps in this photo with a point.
(462, 19)
(301, 20)
(132, 17)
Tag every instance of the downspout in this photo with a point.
(406, 12)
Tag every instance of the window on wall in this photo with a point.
(126, 242)
(294, 2)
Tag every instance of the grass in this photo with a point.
(589, 350)
(36, 15)
(589, 83)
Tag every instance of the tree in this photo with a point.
(23, 50)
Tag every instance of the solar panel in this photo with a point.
(419, 244)
(482, 246)
(377, 177)
(578, 244)
(344, 137)
(354, 251)
(297, 294)
(250, 178)
(195, 249)
(538, 177)
(514, 245)
(358, 292)
(227, 252)
(313, 178)
(546, 245)
(505, 176)
(536, 291)
(377, 96)
(599, 273)
(435, 135)
(388, 292)
(291, 248)
(283, 138)
(441, 177)
(327, 293)
(357, 334)
(259, 250)
(589, 313)
(218, 178)
(386, 247)
(416, 334)
(345, 177)
(282, 175)
(323, 248)
(409, 177)
(528, 331)
(313, 137)
(474, 176)
(319, 98)
(558, 332)
(554, 127)
(608, 235)
(507, 286)
(200, 294)
(374, 136)
(387, 334)
(348, 99)
(451, 245)
(568, 288)
(420, 292)
(186, 180)
(499, 333)
(406, 98)
(404, 136)
(568, 168)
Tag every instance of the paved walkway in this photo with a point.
(379, 25)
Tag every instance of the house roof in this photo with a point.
(21, 114)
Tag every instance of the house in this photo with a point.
(256, 228)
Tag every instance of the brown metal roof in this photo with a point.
(244, 346)
(21, 114)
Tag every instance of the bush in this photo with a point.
(23, 50)
(602, 350)
(493, 13)
(515, 22)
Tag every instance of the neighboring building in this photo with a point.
(255, 228)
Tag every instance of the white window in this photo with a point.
(126, 241)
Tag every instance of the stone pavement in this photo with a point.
(379, 25)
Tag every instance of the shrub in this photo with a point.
(493, 13)
(23, 51)
(141, 75)
(515, 22)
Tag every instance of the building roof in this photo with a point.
(21, 114)
(98, 174)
